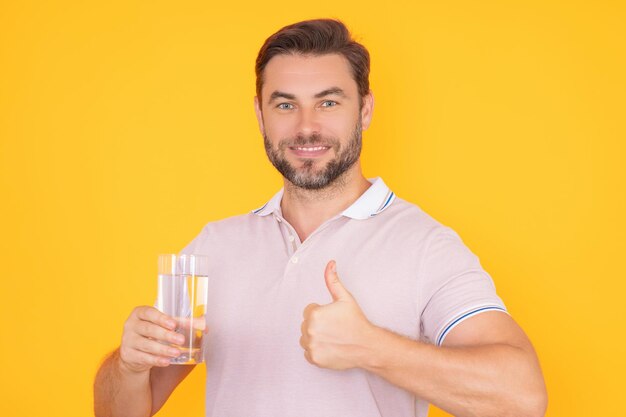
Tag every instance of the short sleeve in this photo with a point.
(454, 286)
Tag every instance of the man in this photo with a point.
(335, 298)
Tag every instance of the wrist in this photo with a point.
(126, 370)
(385, 350)
(371, 356)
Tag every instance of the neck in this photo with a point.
(306, 209)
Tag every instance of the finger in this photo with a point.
(308, 358)
(155, 348)
(334, 285)
(304, 342)
(197, 323)
(150, 330)
(137, 360)
(146, 359)
(308, 309)
(153, 315)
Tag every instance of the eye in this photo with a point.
(329, 103)
(285, 106)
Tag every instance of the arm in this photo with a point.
(136, 379)
(487, 366)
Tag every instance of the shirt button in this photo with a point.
(291, 238)
(294, 259)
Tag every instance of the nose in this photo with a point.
(308, 122)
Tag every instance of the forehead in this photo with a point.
(305, 75)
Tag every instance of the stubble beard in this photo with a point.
(306, 176)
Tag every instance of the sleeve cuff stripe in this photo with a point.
(463, 317)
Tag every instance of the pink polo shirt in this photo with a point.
(409, 274)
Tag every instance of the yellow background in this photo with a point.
(126, 126)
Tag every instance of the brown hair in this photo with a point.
(316, 37)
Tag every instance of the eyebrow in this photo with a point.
(329, 91)
(279, 94)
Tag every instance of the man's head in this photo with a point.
(312, 101)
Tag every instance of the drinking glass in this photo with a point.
(183, 286)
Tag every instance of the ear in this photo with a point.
(367, 110)
(259, 115)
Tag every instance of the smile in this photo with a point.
(310, 149)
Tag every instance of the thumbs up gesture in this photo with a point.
(335, 335)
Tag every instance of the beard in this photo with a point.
(307, 176)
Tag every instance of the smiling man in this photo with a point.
(413, 320)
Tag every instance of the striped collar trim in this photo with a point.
(376, 199)
(272, 205)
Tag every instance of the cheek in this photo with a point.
(279, 129)
(338, 127)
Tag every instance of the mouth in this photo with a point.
(309, 151)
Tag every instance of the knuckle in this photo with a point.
(314, 314)
(137, 312)
(125, 341)
(313, 356)
(148, 345)
(140, 328)
(144, 344)
(308, 309)
(309, 330)
(144, 312)
(128, 324)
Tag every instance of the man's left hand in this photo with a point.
(335, 335)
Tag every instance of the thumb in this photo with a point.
(335, 287)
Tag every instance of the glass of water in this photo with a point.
(183, 286)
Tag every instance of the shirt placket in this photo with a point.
(293, 241)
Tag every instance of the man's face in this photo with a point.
(311, 120)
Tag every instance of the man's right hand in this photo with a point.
(145, 332)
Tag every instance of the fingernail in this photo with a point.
(171, 324)
(333, 267)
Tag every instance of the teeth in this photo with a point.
(317, 148)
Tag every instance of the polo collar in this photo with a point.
(372, 202)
